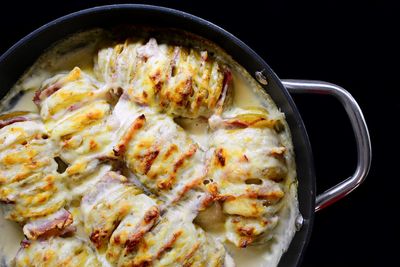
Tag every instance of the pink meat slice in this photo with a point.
(56, 224)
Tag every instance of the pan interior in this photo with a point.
(78, 50)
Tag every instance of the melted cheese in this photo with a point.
(171, 79)
(57, 251)
(25, 103)
(94, 121)
(28, 177)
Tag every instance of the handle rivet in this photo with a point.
(299, 222)
(261, 77)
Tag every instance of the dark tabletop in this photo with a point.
(350, 45)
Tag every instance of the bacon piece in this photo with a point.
(11, 121)
(13, 117)
(56, 224)
(46, 92)
(225, 86)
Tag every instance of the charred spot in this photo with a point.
(118, 92)
(156, 76)
(61, 165)
(78, 251)
(166, 184)
(158, 87)
(279, 126)
(66, 137)
(116, 223)
(95, 238)
(141, 118)
(117, 239)
(131, 244)
(244, 242)
(199, 99)
(256, 181)
(207, 181)
(145, 263)
(151, 215)
(173, 71)
(156, 79)
(148, 160)
(219, 153)
(118, 151)
(246, 230)
(267, 203)
(7, 201)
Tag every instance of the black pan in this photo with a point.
(24, 53)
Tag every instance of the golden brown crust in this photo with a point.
(120, 148)
(173, 79)
(124, 121)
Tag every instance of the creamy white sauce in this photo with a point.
(25, 103)
(243, 96)
(197, 129)
(11, 236)
(246, 95)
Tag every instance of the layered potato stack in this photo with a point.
(104, 176)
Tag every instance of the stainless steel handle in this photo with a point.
(360, 129)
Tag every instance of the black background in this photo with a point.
(353, 45)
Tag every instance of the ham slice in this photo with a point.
(56, 224)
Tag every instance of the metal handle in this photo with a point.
(360, 129)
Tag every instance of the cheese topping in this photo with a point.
(153, 155)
